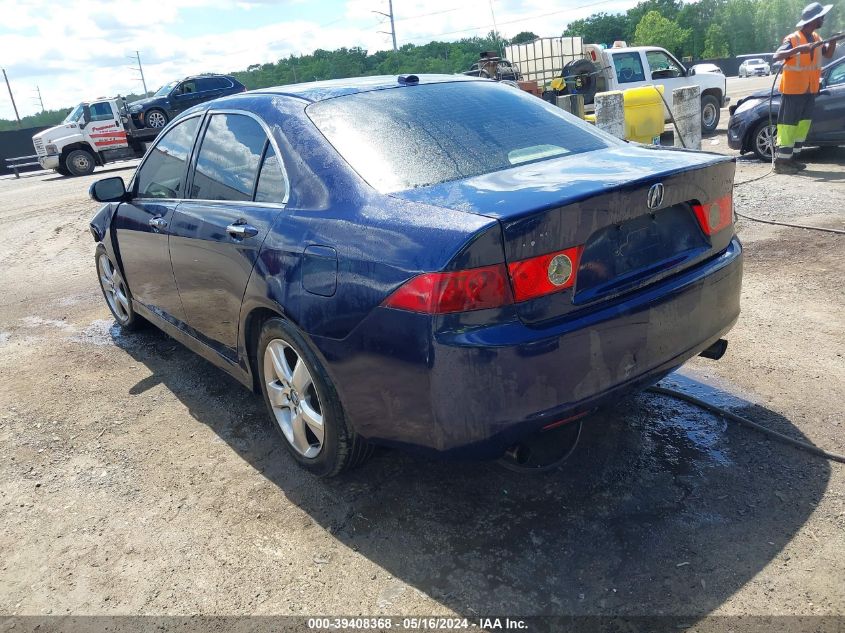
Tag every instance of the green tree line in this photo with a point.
(705, 29)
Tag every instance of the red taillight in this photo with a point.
(545, 274)
(459, 291)
(714, 216)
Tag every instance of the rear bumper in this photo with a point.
(472, 392)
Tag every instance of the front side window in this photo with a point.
(162, 173)
(188, 87)
(662, 66)
(836, 76)
(228, 158)
(101, 112)
(629, 67)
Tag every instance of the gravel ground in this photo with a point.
(135, 478)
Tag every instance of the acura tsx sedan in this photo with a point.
(439, 263)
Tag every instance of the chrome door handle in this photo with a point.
(158, 223)
(241, 230)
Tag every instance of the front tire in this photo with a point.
(79, 162)
(156, 119)
(763, 139)
(303, 403)
(710, 114)
(116, 291)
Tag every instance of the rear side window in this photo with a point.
(162, 173)
(217, 83)
(272, 185)
(228, 159)
(402, 138)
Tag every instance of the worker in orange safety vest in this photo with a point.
(799, 85)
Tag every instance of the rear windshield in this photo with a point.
(416, 136)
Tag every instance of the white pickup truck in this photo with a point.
(564, 65)
(94, 133)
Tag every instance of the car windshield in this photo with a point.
(74, 115)
(756, 61)
(403, 138)
(165, 89)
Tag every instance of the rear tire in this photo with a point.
(62, 170)
(710, 114)
(303, 403)
(79, 162)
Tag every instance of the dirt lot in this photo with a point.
(137, 479)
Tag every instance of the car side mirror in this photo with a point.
(108, 190)
(691, 72)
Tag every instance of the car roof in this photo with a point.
(320, 90)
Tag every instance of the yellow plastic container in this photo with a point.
(644, 120)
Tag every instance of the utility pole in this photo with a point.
(392, 24)
(12, 97)
(40, 100)
(140, 69)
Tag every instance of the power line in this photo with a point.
(140, 69)
(392, 23)
(38, 99)
(12, 97)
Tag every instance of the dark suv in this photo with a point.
(177, 96)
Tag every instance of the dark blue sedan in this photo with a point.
(441, 263)
(753, 123)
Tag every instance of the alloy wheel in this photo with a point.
(764, 140)
(114, 289)
(156, 119)
(293, 398)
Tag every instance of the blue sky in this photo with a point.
(79, 49)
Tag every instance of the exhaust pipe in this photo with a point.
(716, 351)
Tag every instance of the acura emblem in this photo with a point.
(655, 196)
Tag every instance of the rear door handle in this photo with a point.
(158, 223)
(241, 230)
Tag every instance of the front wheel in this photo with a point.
(156, 119)
(710, 113)
(116, 291)
(303, 403)
(763, 140)
(79, 162)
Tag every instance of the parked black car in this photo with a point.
(751, 130)
(178, 96)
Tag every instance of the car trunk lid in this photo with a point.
(598, 202)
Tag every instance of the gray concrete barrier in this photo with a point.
(686, 106)
(574, 104)
(610, 113)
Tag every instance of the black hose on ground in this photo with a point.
(663, 391)
(794, 226)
